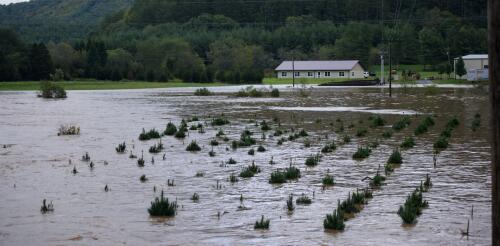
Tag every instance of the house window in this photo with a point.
(341, 74)
(327, 74)
(310, 74)
(485, 66)
(297, 74)
(283, 74)
(352, 74)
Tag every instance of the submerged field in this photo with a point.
(35, 166)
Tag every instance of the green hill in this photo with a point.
(56, 20)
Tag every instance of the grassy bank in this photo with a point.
(100, 85)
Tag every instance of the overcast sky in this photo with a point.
(11, 1)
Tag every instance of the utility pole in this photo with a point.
(382, 68)
(293, 72)
(390, 69)
(494, 74)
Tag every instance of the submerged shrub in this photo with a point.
(408, 143)
(453, 123)
(362, 153)
(441, 143)
(51, 90)
(261, 149)
(424, 125)
(476, 122)
(214, 142)
(246, 139)
(289, 203)
(162, 207)
(251, 152)
(202, 92)
(193, 147)
(329, 147)
(412, 207)
(170, 130)
(328, 180)
(303, 200)
(387, 134)
(313, 160)
(231, 161)
(233, 178)
(180, 134)
(361, 133)
(377, 121)
(346, 139)
(334, 221)
(395, 157)
(292, 172)
(275, 92)
(149, 135)
(250, 171)
(46, 208)
(277, 177)
(264, 126)
(68, 130)
(262, 224)
(157, 148)
(121, 148)
(401, 124)
(220, 121)
(377, 180)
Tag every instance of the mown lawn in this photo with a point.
(101, 85)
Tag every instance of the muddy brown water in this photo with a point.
(34, 165)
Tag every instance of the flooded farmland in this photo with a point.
(34, 165)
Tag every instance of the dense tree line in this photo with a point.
(164, 40)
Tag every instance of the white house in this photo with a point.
(475, 65)
(350, 69)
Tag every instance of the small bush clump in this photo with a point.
(149, 135)
(441, 143)
(121, 148)
(412, 207)
(334, 221)
(51, 90)
(329, 147)
(220, 121)
(387, 134)
(395, 157)
(261, 149)
(313, 160)
(303, 200)
(250, 171)
(231, 161)
(68, 130)
(362, 153)
(202, 92)
(408, 143)
(377, 121)
(401, 124)
(193, 147)
(328, 180)
(162, 207)
(170, 130)
(361, 132)
(262, 224)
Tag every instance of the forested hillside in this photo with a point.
(58, 20)
(237, 41)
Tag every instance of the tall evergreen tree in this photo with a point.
(41, 66)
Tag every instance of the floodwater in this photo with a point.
(34, 164)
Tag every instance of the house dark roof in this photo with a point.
(317, 65)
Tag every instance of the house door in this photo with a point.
(319, 75)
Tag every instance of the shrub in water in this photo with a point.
(214, 142)
(362, 153)
(170, 130)
(51, 90)
(157, 148)
(251, 152)
(233, 178)
(231, 161)
(220, 133)
(395, 157)
(476, 122)
(387, 134)
(402, 123)
(220, 121)
(441, 143)
(180, 134)
(275, 92)
(421, 129)
(346, 139)
(328, 180)
(46, 208)
(292, 172)
(246, 139)
(202, 92)
(68, 130)
(303, 200)
(149, 135)
(162, 207)
(261, 149)
(334, 221)
(412, 207)
(195, 197)
(289, 203)
(193, 146)
(453, 123)
(377, 180)
(313, 160)
(264, 126)
(277, 177)
(408, 143)
(143, 178)
(378, 121)
(329, 147)
(121, 148)
(262, 224)
(427, 183)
